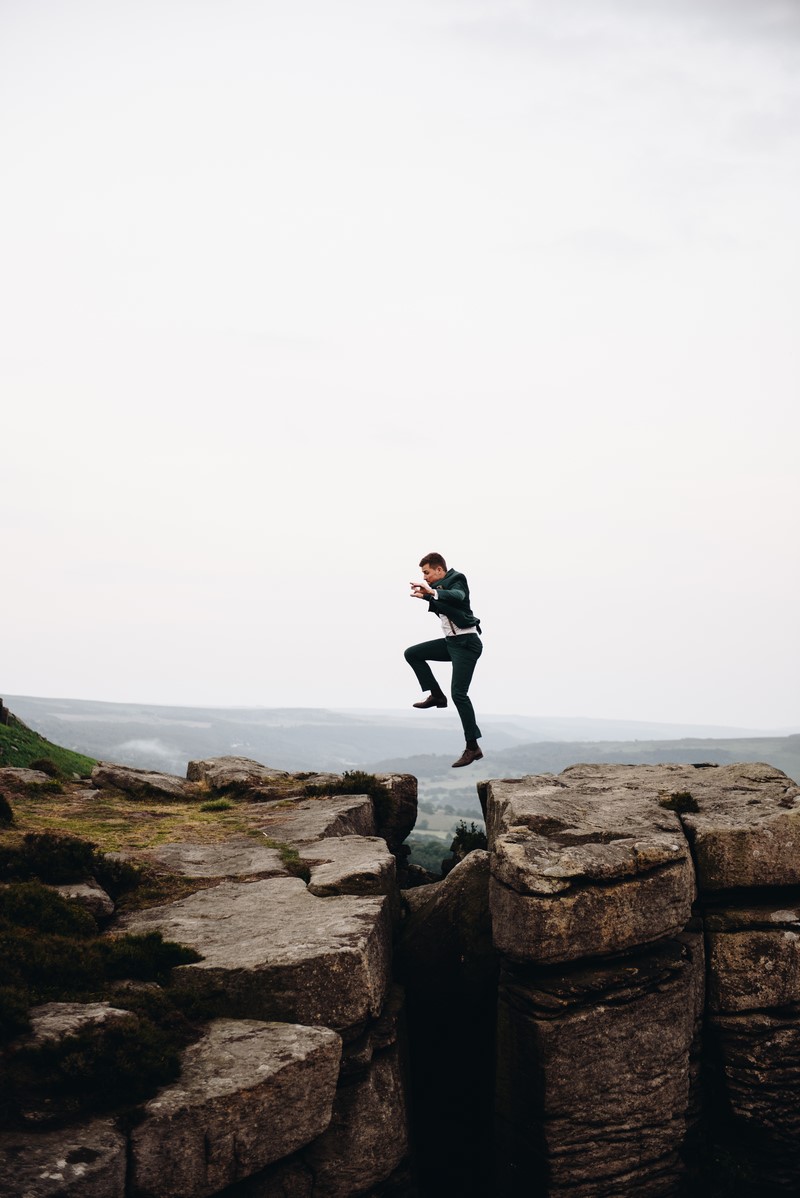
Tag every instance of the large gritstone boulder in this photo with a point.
(272, 950)
(584, 864)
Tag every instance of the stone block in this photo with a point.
(746, 831)
(350, 865)
(595, 1073)
(271, 950)
(753, 957)
(302, 821)
(139, 784)
(249, 1094)
(368, 1133)
(233, 773)
(584, 864)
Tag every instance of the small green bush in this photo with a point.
(45, 765)
(145, 956)
(114, 1065)
(467, 839)
(217, 805)
(679, 802)
(34, 907)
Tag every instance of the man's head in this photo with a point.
(434, 568)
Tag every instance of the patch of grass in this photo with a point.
(217, 805)
(20, 746)
(679, 802)
(290, 859)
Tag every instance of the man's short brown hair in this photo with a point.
(435, 560)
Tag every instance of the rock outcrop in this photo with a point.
(646, 918)
(297, 1084)
(605, 1003)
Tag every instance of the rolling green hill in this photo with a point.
(20, 746)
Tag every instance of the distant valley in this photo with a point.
(166, 738)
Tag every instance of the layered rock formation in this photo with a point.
(648, 1008)
(606, 1003)
(296, 1085)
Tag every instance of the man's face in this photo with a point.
(432, 574)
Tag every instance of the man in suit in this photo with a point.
(447, 595)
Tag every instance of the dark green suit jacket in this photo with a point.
(452, 600)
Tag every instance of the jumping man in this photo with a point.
(447, 593)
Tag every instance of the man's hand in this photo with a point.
(421, 590)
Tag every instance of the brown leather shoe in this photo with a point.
(467, 757)
(432, 701)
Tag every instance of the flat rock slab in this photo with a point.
(14, 778)
(140, 784)
(584, 864)
(747, 829)
(55, 1021)
(350, 865)
(302, 821)
(238, 857)
(753, 957)
(271, 950)
(249, 1093)
(80, 1161)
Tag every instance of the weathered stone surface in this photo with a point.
(233, 773)
(305, 820)
(448, 940)
(368, 1134)
(55, 1021)
(397, 815)
(585, 864)
(753, 957)
(594, 1073)
(139, 784)
(238, 857)
(747, 829)
(760, 1054)
(249, 1093)
(271, 950)
(286, 1179)
(90, 895)
(417, 897)
(350, 865)
(81, 1161)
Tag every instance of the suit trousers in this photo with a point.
(464, 652)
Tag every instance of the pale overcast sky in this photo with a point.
(292, 293)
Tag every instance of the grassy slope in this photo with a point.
(19, 746)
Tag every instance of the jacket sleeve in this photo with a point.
(453, 595)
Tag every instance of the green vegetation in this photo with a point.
(679, 802)
(467, 839)
(217, 805)
(21, 747)
(427, 853)
(290, 859)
